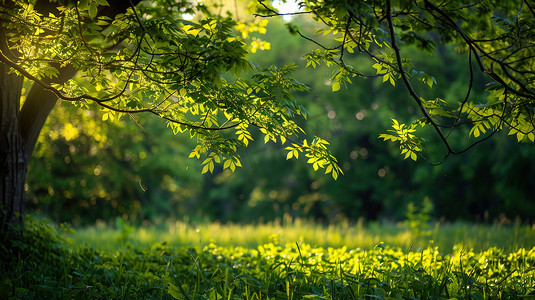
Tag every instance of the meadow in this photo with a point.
(286, 259)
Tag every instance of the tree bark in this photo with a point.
(13, 164)
(19, 129)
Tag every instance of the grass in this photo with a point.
(446, 236)
(281, 260)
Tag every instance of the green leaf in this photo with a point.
(82, 4)
(238, 162)
(205, 169)
(475, 131)
(392, 81)
(334, 174)
(329, 169)
(336, 86)
(289, 155)
(93, 10)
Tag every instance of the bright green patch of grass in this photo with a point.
(291, 261)
(185, 234)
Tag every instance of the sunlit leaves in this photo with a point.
(209, 163)
(190, 30)
(388, 77)
(91, 6)
(318, 56)
(232, 163)
(268, 136)
(70, 132)
(229, 162)
(484, 117)
(243, 134)
(293, 151)
(189, 73)
(437, 108)
(496, 41)
(269, 106)
(259, 44)
(423, 77)
(410, 145)
(317, 155)
(210, 25)
(336, 86)
(246, 29)
(524, 131)
(342, 77)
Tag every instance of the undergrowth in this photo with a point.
(44, 264)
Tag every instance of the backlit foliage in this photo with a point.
(494, 37)
(409, 143)
(193, 74)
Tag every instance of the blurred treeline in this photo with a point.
(86, 169)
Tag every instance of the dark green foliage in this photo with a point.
(34, 261)
(41, 264)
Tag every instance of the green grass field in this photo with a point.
(508, 237)
(280, 260)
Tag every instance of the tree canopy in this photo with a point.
(190, 74)
(194, 74)
(496, 36)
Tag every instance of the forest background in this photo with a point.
(89, 170)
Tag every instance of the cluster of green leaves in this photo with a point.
(44, 264)
(496, 36)
(409, 143)
(317, 155)
(194, 75)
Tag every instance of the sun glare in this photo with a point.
(287, 7)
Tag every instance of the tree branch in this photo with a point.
(406, 81)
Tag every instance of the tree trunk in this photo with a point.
(20, 128)
(13, 161)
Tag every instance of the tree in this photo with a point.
(128, 60)
(496, 37)
(194, 75)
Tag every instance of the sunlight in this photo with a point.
(287, 7)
